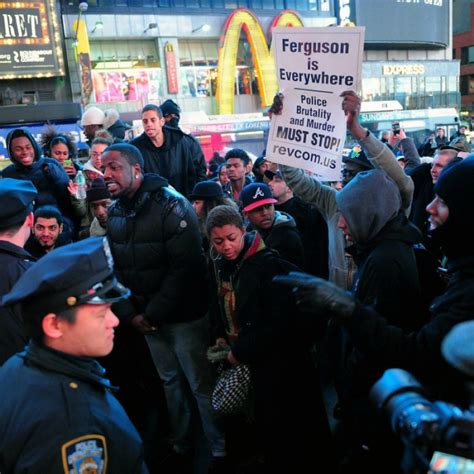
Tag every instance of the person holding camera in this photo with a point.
(386, 346)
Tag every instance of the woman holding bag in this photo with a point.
(260, 323)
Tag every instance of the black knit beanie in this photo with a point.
(455, 186)
(97, 191)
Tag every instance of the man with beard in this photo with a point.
(47, 232)
(156, 243)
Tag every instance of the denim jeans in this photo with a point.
(179, 354)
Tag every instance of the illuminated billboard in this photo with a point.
(244, 20)
(30, 42)
(402, 23)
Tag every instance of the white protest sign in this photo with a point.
(313, 66)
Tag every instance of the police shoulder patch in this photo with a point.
(86, 454)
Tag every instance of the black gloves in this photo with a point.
(315, 295)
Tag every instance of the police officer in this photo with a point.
(57, 413)
(16, 221)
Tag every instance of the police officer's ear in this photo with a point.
(52, 326)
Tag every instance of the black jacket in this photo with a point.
(388, 277)
(58, 415)
(284, 237)
(423, 194)
(271, 342)
(314, 234)
(387, 280)
(14, 261)
(420, 351)
(180, 159)
(156, 244)
(37, 250)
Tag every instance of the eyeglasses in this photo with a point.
(96, 154)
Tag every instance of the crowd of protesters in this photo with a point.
(213, 255)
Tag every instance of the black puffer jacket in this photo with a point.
(180, 159)
(156, 245)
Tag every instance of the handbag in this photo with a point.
(231, 394)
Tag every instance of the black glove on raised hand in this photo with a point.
(315, 295)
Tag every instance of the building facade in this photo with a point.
(213, 56)
(463, 51)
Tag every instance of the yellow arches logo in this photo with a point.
(262, 58)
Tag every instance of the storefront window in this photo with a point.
(198, 68)
(452, 83)
(125, 70)
(371, 88)
(432, 84)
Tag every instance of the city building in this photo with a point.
(213, 56)
(463, 50)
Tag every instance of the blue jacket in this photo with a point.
(57, 415)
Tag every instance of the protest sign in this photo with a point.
(313, 66)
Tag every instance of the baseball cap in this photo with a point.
(256, 195)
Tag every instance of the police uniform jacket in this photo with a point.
(156, 244)
(14, 261)
(57, 415)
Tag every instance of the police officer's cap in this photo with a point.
(69, 276)
(16, 198)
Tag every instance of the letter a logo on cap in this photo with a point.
(258, 193)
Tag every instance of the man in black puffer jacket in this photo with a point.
(156, 243)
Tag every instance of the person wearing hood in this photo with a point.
(385, 345)
(115, 125)
(381, 243)
(381, 240)
(156, 243)
(170, 152)
(47, 175)
(368, 153)
(278, 229)
(171, 113)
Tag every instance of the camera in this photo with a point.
(434, 433)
